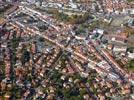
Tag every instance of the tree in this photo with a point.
(59, 92)
(83, 91)
(66, 93)
(41, 39)
(130, 49)
(77, 76)
(25, 56)
(73, 98)
(130, 0)
(130, 64)
(81, 29)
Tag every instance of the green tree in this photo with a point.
(130, 64)
(83, 91)
(25, 56)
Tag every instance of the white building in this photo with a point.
(131, 55)
(120, 48)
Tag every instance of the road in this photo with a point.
(114, 67)
(30, 31)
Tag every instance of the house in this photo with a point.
(110, 46)
(72, 5)
(108, 20)
(104, 65)
(97, 33)
(118, 36)
(34, 48)
(113, 76)
(113, 5)
(130, 11)
(100, 31)
(7, 97)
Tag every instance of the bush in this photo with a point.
(130, 64)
